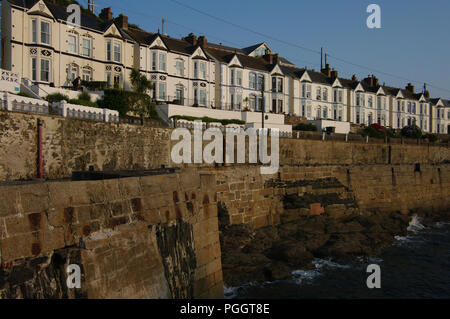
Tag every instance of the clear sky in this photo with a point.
(413, 42)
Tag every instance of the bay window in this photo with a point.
(87, 47)
(202, 70)
(239, 77)
(117, 52)
(108, 51)
(162, 91)
(72, 44)
(45, 32)
(202, 97)
(162, 62)
(34, 31)
(196, 70)
(34, 69)
(252, 81)
(179, 64)
(45, 70)
(154, 58)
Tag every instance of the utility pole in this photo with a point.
(163, 26)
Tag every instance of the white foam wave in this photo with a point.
(304, 276)
(327, 263)
(415, 225)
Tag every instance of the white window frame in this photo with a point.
(89, 41)
(49, 70)
(75, 45)
(162, 59)
(34, 30)
(117, 45)
(42, 22)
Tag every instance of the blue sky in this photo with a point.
(413, 42)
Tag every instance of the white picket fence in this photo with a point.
(85, 112)
(12, 102)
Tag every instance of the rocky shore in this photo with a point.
(273, 252)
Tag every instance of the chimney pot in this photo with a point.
(106, 14)
(410, 88)
(202, 41)
(122, 21)
(191, 38)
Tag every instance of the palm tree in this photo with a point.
(140, 101)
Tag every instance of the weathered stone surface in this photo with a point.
(131, 241)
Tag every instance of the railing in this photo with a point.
(85, 112)
(12, 102)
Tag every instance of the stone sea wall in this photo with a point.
(76, 145)
(184, 234)
(139, 237)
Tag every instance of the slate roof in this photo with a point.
(251, 48)
(249, 62)
(60, 13)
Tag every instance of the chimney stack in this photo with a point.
(334, 74)
(410, 88)
(354, 78)
(191, 38)
(202, 41)
(122, 21)
(426, 93)
(326, 70)
(272, 58)
(106, 14)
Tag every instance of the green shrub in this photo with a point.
(95, 85)
(372, 131)
(305, 127)
(56, 97)
(431, 137)
(412, 131)
(115, 99)
(125, 101)
(85, 96)
(83, 102)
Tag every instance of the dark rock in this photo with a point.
(277, 271)
(293, 253)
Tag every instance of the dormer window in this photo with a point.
(260, 51)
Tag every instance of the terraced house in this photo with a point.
(39, 45)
